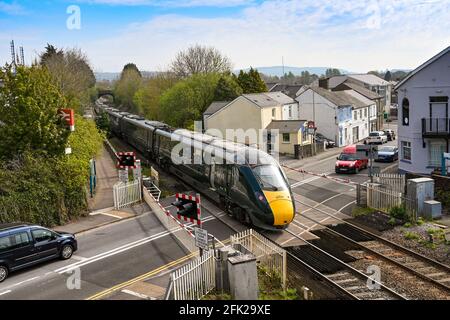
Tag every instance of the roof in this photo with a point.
(286, 126)
(370, 79)
(422, 66)
(339, 98)
(289, 90)
(360, 89)
(280, 97)
(271, 85)
(261, 100)
(215, 106)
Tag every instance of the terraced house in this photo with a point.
(423, 125)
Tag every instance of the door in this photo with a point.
(439, 114)
(45, 242)
(24, 250)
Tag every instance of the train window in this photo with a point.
(220, 175)
(270, 178)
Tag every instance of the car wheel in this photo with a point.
(66, 252)
(3, 273)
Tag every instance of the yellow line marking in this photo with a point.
(141, 277)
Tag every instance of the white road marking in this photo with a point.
(5, 292)
(93, 213)
(75, 257)
(340, 210)
(111, 215)
(136, 294)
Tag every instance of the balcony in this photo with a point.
(436, 127)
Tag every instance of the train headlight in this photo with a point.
(261, 197)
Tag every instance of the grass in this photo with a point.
(270, 287)
(361, 211)
(411, 235)
(215, 295)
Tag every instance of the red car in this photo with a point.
(349, 161)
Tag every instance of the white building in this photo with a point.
(342, 116)
(423, 116)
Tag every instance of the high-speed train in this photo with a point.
(248, 183)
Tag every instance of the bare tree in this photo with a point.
(200, 59)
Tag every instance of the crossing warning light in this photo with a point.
(189, 208)
(126, 160)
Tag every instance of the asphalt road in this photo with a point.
(107, 256)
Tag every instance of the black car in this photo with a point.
(387, 154)
(23, 245)
(328, 143)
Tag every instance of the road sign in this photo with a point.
(189, 208)
(69, 117)
(126, 160)
(201, 238)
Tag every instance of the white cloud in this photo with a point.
(306, 33)
(11, 8)
(173, 3)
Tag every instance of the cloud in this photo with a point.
(11, 8)
(353, 35)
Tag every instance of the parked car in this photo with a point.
(24, 245)
(349, 161)
(328, 142)
(387, 154)
(376, 137)
(390, 134)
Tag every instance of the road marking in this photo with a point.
(123, 248)
(75, 257)
(340, 210)
(5, 292)
(111, 215)
(93, 213)
(136, 294)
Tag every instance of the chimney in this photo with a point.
(323, 83)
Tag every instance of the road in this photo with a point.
(107, 256)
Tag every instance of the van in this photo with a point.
(350, 161)
(24, 245)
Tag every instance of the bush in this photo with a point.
(411, 236)
(398, 212)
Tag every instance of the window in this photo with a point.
(21, 239)
(435, 151)
(365, 113)
(290, 111)
(355, 115)
(406, 150)
(360, 114)
(274, 112)
(41, 235)
(405, 112)
(5, 243)
(286, 138)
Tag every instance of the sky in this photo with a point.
(357, 35)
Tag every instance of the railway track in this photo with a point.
(427, 269)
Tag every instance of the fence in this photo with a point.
(179, 231)
(384, 199)
(308, 150)
(267, 254)
(195, 280)
(391, 181)
(126, 194)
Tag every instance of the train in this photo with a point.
(246, 182)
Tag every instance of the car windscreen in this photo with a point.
(348, 157)
(386, 149)
(270, 178)
(374, 134)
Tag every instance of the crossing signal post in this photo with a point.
(126, 160)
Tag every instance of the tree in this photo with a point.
(29, 102)
(126, 87)
(188, 99)
(200, 60)
(388, 76)
(379, 74)
(71, 72)
(147, 97)
(331, 72)
(227, 88)
(251, 81)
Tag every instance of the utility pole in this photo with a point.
(22, 57)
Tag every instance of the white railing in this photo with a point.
(178, 229)
(126, 194)
(267, 253)
(392, 181)
(196, 279)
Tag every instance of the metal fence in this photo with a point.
(384, 199)
(267, 253)
(126, 194)
(196, 279)
(391, 181)
(308, 150)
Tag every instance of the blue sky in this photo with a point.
(358, 35)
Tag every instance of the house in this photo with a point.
(292, 132)
(423, 115)
(288, 89)
(342, 116)
(250, 113)
(361, 93)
